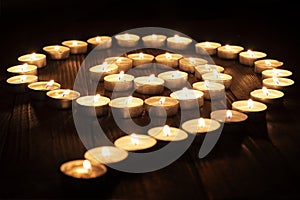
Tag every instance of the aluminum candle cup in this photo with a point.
(37, 59)
(261, 65)
(189, 64)
(149, 85)
(211, 90)
(279, 73)
(140, 59)
(249, 57)
(124, 63)
(62, 98)
(229, 51)
(178, 42)
(100, 42)
(127, 40)
(118, 82)
(277, 83)
(76, 46)
(268, 96)
(200, 125)
(166, 133)
(57, 52)
(98, 72)
(188, 98)
(19, 83)
(255, 110)
(38, 90)
(228, 116)
(24, 69)
(154, 41)
(209, 48)
(206, 68)
(168, 60)
(216, 77)
(161, 106)
(89, 105)
(174, 79)
(127, 107)
(135, 142)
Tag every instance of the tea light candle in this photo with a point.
(228, 116)
(105, 155)
(168, 59)
(62, 98)
(76, 46)
(39, 89)
(217, 77)
(166, 133)
(149, 85)
(98, 72)
(188, 98)
(89, 105)
(174, 79)
(37, 59)
(267, 95)
(118, 82)
(211, 90)
(200, 125)
(124, 63)
(189, 64)
(100, 42)
(229, 51)
(19, 83)
(141, 59)
(135, 142)
(126, 107)
(261, 65)
(24, 69)
(154, 40)
(82, 169)
(57, 52)
(127, 40)
(206, 68)
(277, 83)
(249, 57)
(249, 106)
(279, 73)
(161, 106)
(178, 42)
(209, 48)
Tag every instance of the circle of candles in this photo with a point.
(168, 60)
(188, 98)
(62, 98)
(189, 64)
(229, 51)
(19, 83)
(174, 79)
(127, 40)
(37, 59)
(98, 72)
(209, 48)
(126, 107)
(249, 57)
(39, 89)
(178, 42)
(277, 83)
(101, 42)
(200, 125)
(149, 84)
(206, 68)
(76, 46)
(154, 40)
(57, 52)
(105, 155)
(228, 116)
(124, 63)
(89, 105)
(82, 169)
(118, 82)
(166, 133)
(249, 106)
(135, 142)
(266, 95)
(217, 77)
(24, 69)
(139, 59)
(211, 90)
(161, 106)
(261, 65)
(279, 73)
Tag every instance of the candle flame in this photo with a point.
(227, 47)
(134, 139)
(105, 152)
(97, 97)
(229, 114)
(250, 104)
(154, 37)
(207, 67)
(162, 100)
(206, 83)
(151, 78)
(121, 75)
(56, 48)
(24, 67)
(201, 122)
(216, 74)
(32, 56)
(74, 43)
(67, 92)
(265, 91)
(119, 60)
(104, 66)
(126, 36)
(168, 56)
(175, 74)
(192, 61)
(275, 80)
(166, 130)
(141, 55)
(50, 83)
(250, 53)
(207, 44)
(267, 62)
(177, 37)
(23, 78)
(275, 72)
(128, 100)
(98, 39)
(87, 165)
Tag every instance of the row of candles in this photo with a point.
(113, 73)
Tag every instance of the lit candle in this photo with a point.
(161, 106)
(93, 104)
(39, 89)
(166, 133)
(178, 42)
(279, 73)
(149, 84)
(228, 116)
(37, 59)
(267, 95)
(261, 65)
(200, 125)
(209, 48)
(124, 63)
(188, 98)
(76, 46)
(19, 83)
(127, 40)
(139, 59)
(62, 98)
(189, 64)
(229, 51)
(57, 52)
(24, 69)
(118, 82)
(249, 57)
(249, 106)
(168, 60)
(217, 77)
(277, 83)
(211, 90)
(100, 42)
(135, 142)
(82, 169)
(126, 107)
(98, 72)
(174, 79)
(206, 68)
(154, 40)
